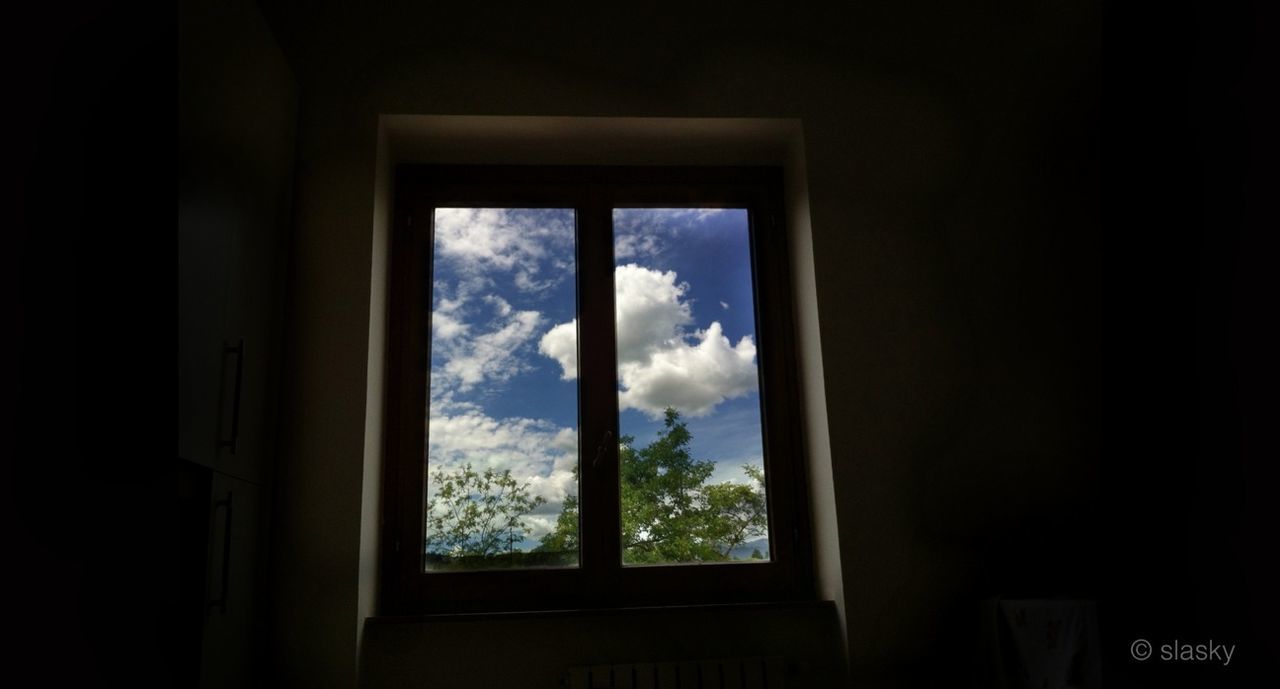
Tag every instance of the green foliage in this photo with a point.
(565, 536)
(477, 514)
(735, 512)
(669, 513)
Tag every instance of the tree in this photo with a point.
(564, 538)
(736, 512)
(474, 514)
(669, 513)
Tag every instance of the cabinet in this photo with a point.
(237, 121)
(223, 527)
(233, 634)
(237, 112)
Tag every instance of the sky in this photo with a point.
(503, 347)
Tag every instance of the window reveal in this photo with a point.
(604, 389)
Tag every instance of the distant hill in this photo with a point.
(743, 552)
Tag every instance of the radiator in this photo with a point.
(725, 673)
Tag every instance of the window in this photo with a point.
(591, 391)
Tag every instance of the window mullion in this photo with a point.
(598, 413)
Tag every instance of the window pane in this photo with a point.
(692, 468)
(502, 439)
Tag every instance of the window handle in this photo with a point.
(238, 350)
(221, 601)
(604, 442)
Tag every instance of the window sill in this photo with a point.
(603, 612)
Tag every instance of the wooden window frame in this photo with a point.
(600, 580)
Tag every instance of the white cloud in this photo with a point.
(492, 267)
(692, 378)
(488, 356)
(525, 282)
(659, 365)
(730, 471)
(651, 312)
(561, 343)
(724, 305)
(446, 323)
(500, 305)
(631, 245)
(538, 453)
(446, 327)
(662, 222)
(483, 240)
(646, 232)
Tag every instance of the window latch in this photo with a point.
(608, 435)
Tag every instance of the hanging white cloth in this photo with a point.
(1041, 644)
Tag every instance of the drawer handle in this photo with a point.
(221, 601)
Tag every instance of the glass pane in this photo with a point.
(692, 467)
(502, 439)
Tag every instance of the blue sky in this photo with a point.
(709, 252)
(503, 355)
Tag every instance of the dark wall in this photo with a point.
(1186, 487)
(85, 504)
(1044, 311)
(1036, 279)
